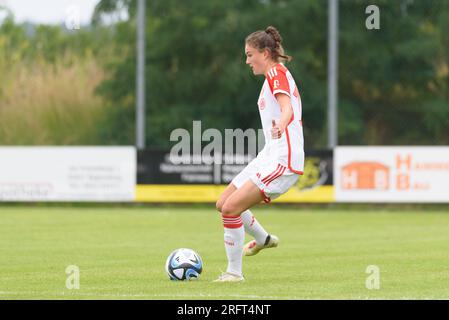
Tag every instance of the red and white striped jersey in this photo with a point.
(289, 149)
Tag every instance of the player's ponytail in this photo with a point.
(269, 39)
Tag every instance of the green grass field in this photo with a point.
(121, 252)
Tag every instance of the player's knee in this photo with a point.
(228, 209)
(219, 205)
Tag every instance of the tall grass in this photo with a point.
(51, 103)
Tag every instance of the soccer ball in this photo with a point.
(184, 264)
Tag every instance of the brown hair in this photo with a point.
(270, 39)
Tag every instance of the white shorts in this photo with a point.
(272, 178)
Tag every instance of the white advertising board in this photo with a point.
(391, 174)
(68, 174)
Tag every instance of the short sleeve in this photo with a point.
(277, 80)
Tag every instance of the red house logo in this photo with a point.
(365, 176)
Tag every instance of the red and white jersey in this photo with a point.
(289, 149)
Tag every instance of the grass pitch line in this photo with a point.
(125, 295)
(242, 296)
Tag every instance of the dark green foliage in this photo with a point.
(393, 83)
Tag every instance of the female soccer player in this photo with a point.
(277, 167)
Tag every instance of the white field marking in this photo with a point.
(200, 295)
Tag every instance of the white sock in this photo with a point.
(234, 236)
(253, 227)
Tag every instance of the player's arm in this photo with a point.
(286, 115)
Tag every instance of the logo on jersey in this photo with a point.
(261, 104)
(276, 84)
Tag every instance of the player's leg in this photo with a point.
(250, 223)
(230, 189)
(238, 182)
(273, 188)
(242, 199)
(253, 227)
(234, 233)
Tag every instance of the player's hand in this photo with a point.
(276, 132)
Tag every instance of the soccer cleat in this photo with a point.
(252, 248)
(229, 277)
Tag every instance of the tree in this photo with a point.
(393, 81)
(195, 64)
